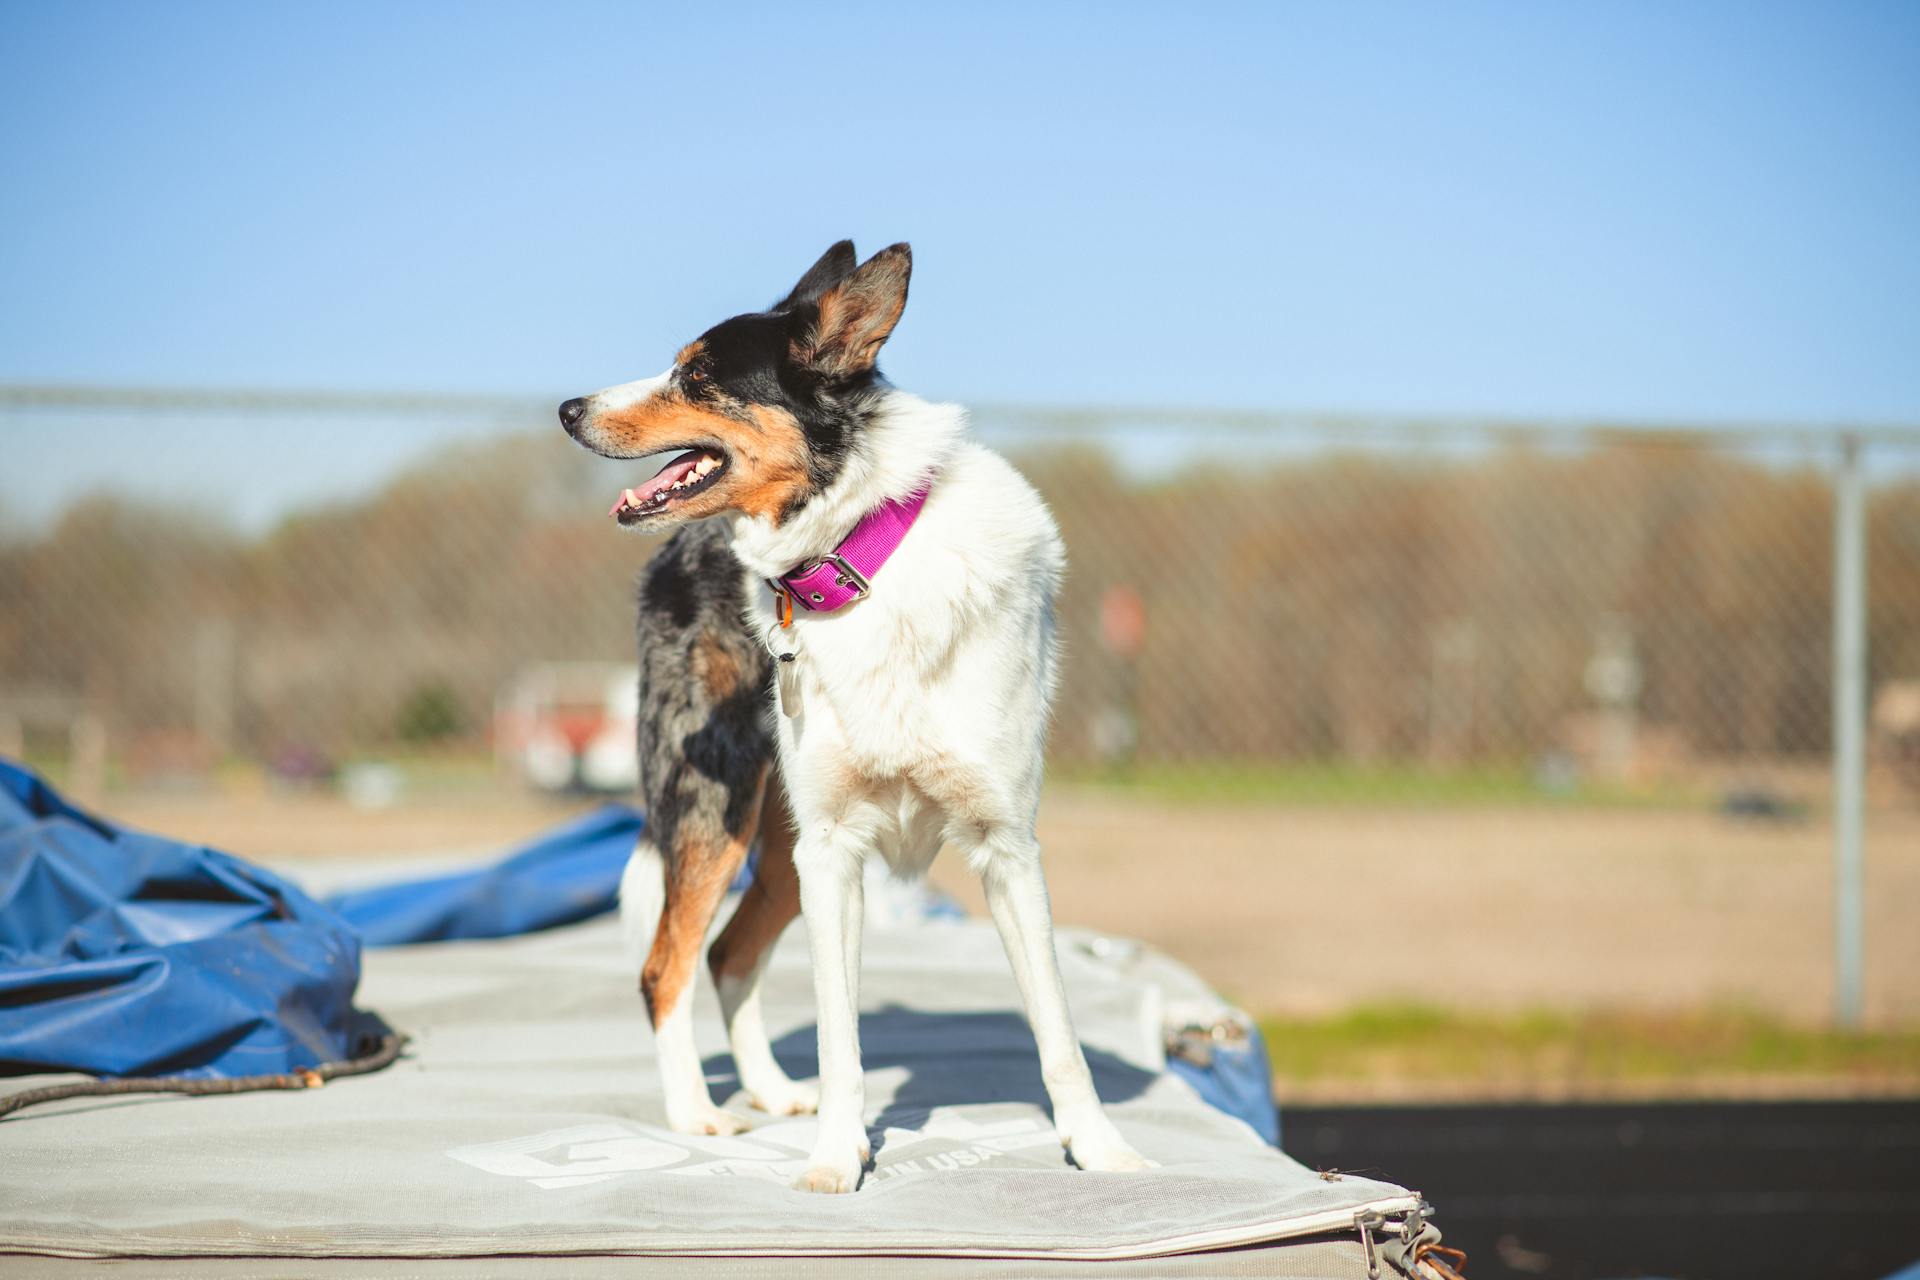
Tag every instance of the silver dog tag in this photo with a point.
(785, 648)
(786, 668)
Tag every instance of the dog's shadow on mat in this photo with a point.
(951, 1059)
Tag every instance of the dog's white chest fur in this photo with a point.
(922, 709)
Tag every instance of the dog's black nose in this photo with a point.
(570, 413)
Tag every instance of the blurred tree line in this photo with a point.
(1358, 606)
(1375, 606)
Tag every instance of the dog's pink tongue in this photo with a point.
(668, 476)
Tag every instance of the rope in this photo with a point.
(382, 1055)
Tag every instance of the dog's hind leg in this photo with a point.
(739, 956)
(705, 745)
(681, 891)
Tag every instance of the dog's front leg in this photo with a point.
(1016, 891)
(833, 902)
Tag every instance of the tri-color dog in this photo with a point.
(901, 580)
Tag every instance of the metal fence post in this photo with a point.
(1849, 728)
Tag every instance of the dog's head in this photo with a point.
(760, 410)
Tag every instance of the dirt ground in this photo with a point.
(1305, 910)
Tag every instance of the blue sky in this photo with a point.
(1693, 212)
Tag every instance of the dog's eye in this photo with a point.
(694, 375)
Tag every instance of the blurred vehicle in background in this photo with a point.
(569, 726)
(1896, 723)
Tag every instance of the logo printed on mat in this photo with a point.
(776, 1151)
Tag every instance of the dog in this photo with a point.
(847, 648)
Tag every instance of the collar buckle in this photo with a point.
(848, 576)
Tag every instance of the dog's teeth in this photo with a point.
(706, 464)
(628, 499)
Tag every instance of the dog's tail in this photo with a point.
(643, 895)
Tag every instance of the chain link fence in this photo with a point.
(1251, 598)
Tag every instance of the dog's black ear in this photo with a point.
(835, 265)
(856, 316)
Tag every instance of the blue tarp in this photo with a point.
(570, 874)
(123, 953)
(1238, 1081)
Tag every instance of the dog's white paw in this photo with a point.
(710, 1120)
(839, 1156)
(1118, 1158)
(784, 1098)
(1099, 1148)
(831, 1180)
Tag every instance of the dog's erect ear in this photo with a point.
(856, 315)
(835, 265)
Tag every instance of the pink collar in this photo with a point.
(845, 574)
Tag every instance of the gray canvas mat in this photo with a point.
(525, 1119)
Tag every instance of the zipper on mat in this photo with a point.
(1423, 1259)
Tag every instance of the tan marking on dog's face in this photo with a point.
(664, 420)
(766, 451)
(773, 470)
(766, 457)
(689, 353)
(717, 670)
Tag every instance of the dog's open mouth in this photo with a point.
(679, 480)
